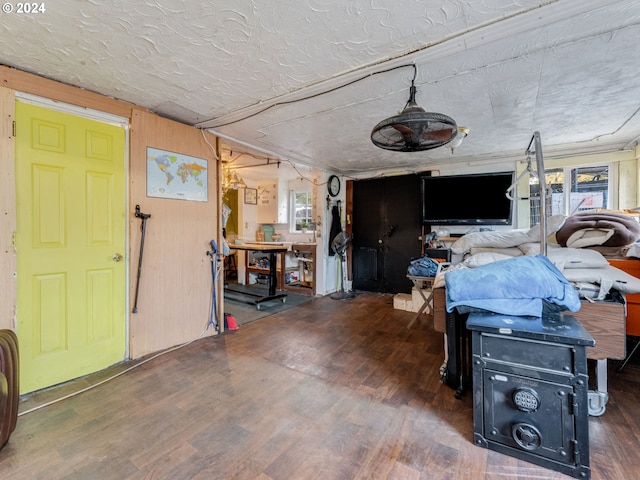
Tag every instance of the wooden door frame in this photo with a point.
(348, 227)
(8, 221)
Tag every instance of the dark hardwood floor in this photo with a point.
(332, 389)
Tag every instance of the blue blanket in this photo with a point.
(517, 286)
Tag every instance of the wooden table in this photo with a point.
(272, 250)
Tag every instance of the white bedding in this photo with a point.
(505, 238)
(586, 268)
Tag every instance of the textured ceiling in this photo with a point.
(306, 80)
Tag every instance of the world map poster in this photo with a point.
(172, 175)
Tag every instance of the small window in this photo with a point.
(572, 190)
(301, 211)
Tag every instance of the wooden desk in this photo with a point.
(273, 250)
(252, 268)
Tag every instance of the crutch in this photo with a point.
(143, 228)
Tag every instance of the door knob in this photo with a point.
(380, 241)
(117, 257)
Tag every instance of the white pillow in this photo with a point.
(503, 239)
(531, 248)
(564, 257)
(576, 258)
(484, 258)
(511, 251)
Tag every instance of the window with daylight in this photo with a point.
(301, 201)
(572, 189)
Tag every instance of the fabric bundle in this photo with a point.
(515, 286)
(423, 267)
(606, 229)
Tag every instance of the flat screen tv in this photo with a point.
(477, 199)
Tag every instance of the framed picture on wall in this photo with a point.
(251, 196)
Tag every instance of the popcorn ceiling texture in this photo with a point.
(503, 68)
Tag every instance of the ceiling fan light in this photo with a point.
(463, 132)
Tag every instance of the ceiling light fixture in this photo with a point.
(463, 132)
(232, 181)
(414, 129)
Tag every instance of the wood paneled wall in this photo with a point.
(175, 283)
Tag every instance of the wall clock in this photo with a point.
(333, 185)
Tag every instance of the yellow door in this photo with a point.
(70, 242)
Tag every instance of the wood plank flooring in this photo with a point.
(332, 389)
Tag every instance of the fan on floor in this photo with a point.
(339, 245)
(414, 129)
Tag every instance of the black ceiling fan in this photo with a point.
(414, 129)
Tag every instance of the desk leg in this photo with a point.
(273, 273)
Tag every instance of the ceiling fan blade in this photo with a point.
(403, 129)
(437, 135)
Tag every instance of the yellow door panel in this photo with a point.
(99, 214)
(49, 315)
(47, 206)
(48, 136)
(70, 177)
